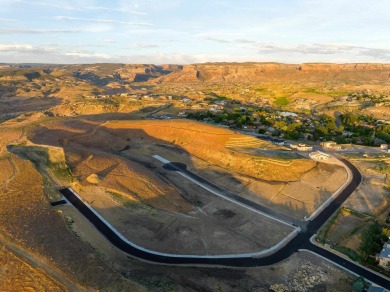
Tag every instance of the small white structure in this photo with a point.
(301, 147)
(384, 146)
(330, 145)
(318, 155)
(384, 256)
(287, 114)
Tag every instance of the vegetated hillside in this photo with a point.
(253, 72)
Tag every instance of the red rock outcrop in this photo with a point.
(249, 72)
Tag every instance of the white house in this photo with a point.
(318, 155)
(330, 145)
(301, 147)
(384, 256)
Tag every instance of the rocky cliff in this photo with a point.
(255, 72)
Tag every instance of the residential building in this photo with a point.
(318, 155)
(384, 256)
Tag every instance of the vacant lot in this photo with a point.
(348, 230)
(371, 197)
(153, 207)
(95, 154)
(17, 275)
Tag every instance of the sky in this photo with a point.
(185, 31)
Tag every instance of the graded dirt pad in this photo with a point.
(212, 226)
(298, 198)
(128, 179)
(17, 275)
(371, 197)
(313, 188)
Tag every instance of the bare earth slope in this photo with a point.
(208, 143)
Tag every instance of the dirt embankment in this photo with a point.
(208, 143)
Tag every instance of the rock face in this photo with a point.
(139, 73)
(249, 72)
(103, 74)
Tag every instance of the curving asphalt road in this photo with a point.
(299, 242)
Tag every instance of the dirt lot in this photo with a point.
(165, 213)
(347, 229)
(299, 196)
(17, 275)
(368, 204)
(371, 197)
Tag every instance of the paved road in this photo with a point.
(301, 241)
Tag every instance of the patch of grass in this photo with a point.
(61, 172)
(262, 90)
(325, 229)
(371, 240)
(150, 282)
(338, 93)
(353, 255)
(355, 213)
(39, 156)
(128, 203)
(281, 101)
(312, 90)
(134, 205)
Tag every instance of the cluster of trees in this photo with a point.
(363, 129)
(383, 133)
(366, 128)
(240, 117)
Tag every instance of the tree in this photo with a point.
(359, 284)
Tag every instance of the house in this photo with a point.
(375, 288)
(288, 114)
(216, 108)
(384, 256)
(330, 145)
(301, 147)
(318, 155)
(384, 146)
(182, 115)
